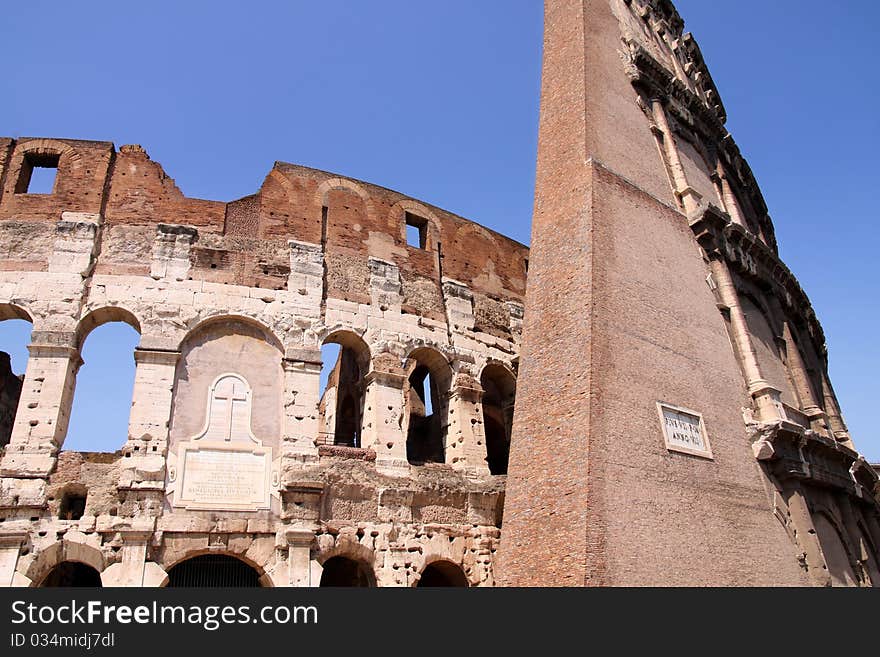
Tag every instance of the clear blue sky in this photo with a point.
(440, 101)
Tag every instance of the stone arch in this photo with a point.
(426, 405)
(270, 335)
(209, 562)
(435, 227)
(442, 572)
(15, 311)
(341, 406)
(348, 337)
(17, 335)
(499, 393)
(226, 345)
(60, 552)
(104, 315)
(766, 338)
(867, 554)
(323, 191)
(36, 153)
(285, 183)
(49, 147)
(354, 553)
(93, 380)
(835, 549)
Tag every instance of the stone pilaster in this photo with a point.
(382, 428)
(459, 306)
(10, 548)
(302, 371)
(385, 289)
(767, 399)
(171, 251)
(299, 542)
(75, 243)
(465, 438)
(306, 280)
(44, 407)
(147, 446)
(131, 570)
(806, 535)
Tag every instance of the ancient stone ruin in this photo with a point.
(674, 421)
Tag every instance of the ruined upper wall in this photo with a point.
(665, 64)
(245, 242)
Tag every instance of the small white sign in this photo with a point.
(683, 430)
(218, 476)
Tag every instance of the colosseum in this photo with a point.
(674, 424)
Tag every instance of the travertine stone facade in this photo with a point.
(655, 285)
(229, 451)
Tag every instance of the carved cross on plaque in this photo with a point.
(229, 410)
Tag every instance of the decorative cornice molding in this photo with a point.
(751, 258)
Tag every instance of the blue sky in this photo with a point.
(440, 101)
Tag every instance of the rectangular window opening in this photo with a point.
(416, 231)
(38, 173)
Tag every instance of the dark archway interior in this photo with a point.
(497, 445)
(499, 392)
(443, 573)
(72, 573)
(346, 379)
(424, 439)
(342, 571)
(213, 570)
(73, 506)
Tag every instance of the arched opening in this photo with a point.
(221, 357)
(104, 384)
(427, 399)
(345, 359)
(837, 558)
(213, 571)
(499, 393)
(442, 573)
(15, 335)
(343, 571)
(72, 573)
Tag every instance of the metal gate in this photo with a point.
(212, 570)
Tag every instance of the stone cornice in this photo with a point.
(657, 81)
(755, 261)
(793, 452)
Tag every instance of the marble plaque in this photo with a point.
(683, 430)
(221, 476)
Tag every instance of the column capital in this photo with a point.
(299, 536)
(156, 356)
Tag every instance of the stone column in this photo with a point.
(728, 198)
(299, 560)
(10, 548)
(44, 408)
(382, 423)
(861, 560)
(147, 445)
(803, 387)
(832, 410)
(302, 371)
(806, 534)
(767, 399)
(690, 198)
(466, 436)
(131, 570)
